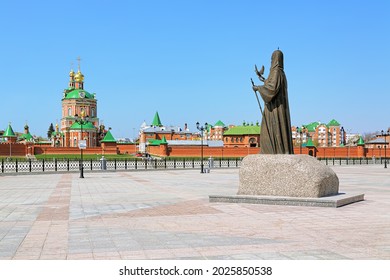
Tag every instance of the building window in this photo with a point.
(69, 111)
(74, 142)
(93, 112)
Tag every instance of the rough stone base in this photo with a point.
(328, 201)
(286, 176)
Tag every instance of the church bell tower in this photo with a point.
(76, 103)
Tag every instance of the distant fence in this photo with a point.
(71, 165)
(352, 161)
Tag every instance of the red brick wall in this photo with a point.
(127, 148)
(326, 152)
(109, 148)
(64, 150)
(377, 152)
(18, 150)
(195, 151)
(330, 152)
(187, 151)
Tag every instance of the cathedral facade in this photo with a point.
(79, 119)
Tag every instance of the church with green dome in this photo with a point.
(77, 103)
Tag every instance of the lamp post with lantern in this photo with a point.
(201, 129)
(300, 131)
(385, 134)
(82, 120)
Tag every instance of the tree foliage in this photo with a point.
(50, 131)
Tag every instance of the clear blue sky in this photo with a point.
(192, 60)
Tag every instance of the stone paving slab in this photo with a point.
(167, 215)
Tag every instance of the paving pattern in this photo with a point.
(166, 215)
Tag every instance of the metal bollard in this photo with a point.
(103, 163)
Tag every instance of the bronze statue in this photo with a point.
(275, 133)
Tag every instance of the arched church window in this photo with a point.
(69, 111)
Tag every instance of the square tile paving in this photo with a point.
(167, 215)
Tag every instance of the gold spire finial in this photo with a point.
(71, 73)
(79, 77)
(78, 59)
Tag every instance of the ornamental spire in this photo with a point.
(156, 120)
(78, 59)
(71, 67)
(79, 77)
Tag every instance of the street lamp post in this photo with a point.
(81, 121)
(300, 133)
(249, 143)
(385, 134)
(135, 143)
(334, 154)
(201, 129)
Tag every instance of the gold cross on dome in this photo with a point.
(78, 59)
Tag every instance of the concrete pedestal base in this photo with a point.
(327, 201)
(299, 180)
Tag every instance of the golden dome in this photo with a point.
(79, 77)
(71, 73)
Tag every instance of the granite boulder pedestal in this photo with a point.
(286, 175)
(288, 180)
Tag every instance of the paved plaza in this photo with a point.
(167, 215)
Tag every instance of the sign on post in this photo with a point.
(83, 144)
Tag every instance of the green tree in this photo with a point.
(50, 131)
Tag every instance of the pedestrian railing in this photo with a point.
(352, 161)
(70, 165)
